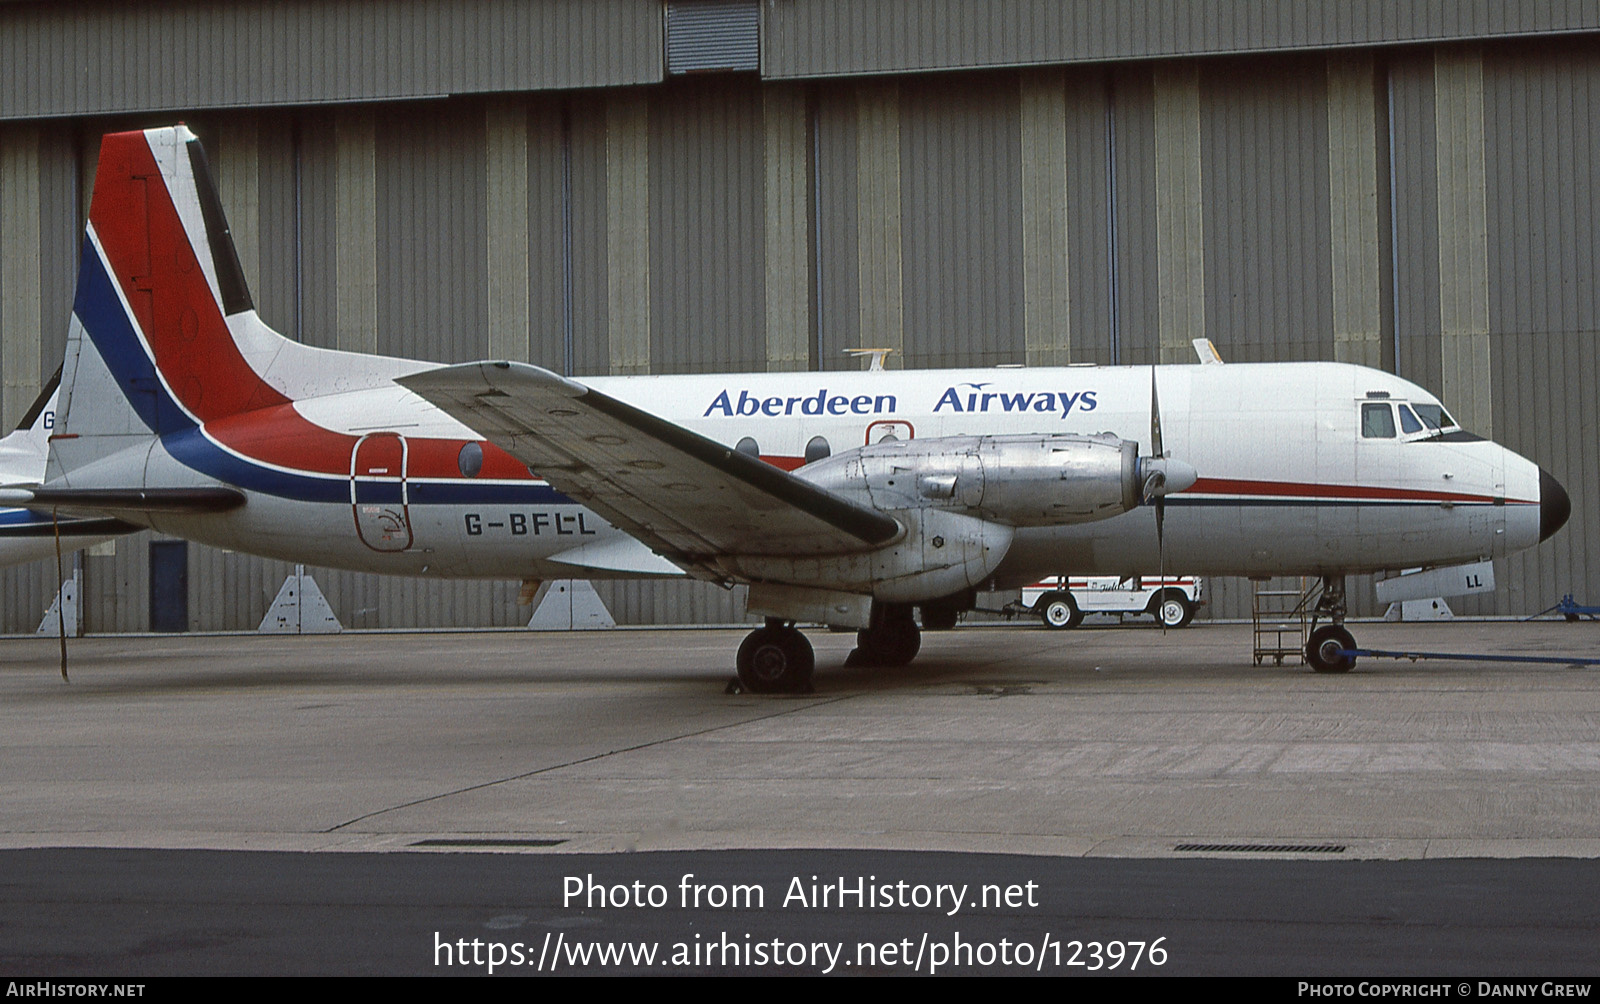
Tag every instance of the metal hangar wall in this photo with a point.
(631, 186)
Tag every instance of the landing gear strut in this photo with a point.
(1324, 646)
(893, 639)
(776, 659)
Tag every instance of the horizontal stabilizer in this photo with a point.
(115, 501)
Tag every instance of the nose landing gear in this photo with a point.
(1324, 647)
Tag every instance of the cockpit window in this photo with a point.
(1434, 416)
(1377, 421)
(1408, 421)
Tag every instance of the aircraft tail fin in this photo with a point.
(164, 337)
(162, 299)
(23, 453)
(40, 417)
(151, 344)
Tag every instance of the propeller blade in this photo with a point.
(1155, 418)
(1161, 555)
(1164, 475)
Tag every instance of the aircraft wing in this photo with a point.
(684, 495)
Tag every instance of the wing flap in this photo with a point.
(687, 496)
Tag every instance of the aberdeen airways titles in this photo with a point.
(963, 399)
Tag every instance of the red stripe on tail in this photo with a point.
(159, 272)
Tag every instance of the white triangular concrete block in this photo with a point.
(300, 608)
(570, 605)
(68, 593)
(1432, 609)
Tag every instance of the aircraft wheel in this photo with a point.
(776, 660)
(1174, 610)
(1059, 611)
(939, 618)
(893, 641)
(1322, 651)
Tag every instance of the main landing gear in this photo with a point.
(893, 639)
(1324, 647)
(776, 659)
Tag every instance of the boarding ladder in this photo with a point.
(1281, 620)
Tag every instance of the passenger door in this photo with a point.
(378, 492)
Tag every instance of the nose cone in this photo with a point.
(1554, 505)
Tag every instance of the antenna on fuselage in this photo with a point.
(877, 356)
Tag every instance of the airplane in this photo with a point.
(843, 498)
(31, 534)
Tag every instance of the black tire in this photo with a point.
(939, 618)
(776, 660)
(1172, 609)
(1059, 611)
(1322, 650)
(1571, 618)
(893, 641)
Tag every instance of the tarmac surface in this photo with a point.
(1121, 745)
(1102, 741)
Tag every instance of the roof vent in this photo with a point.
(711, 35)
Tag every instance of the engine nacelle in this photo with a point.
(959, 500)
(940, 553)
(1018, 480)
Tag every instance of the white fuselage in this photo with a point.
(1288, 483)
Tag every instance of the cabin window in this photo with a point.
(1377, 421)
(817, 449)
(749, 447)
(470, 460)
(1409, 423)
